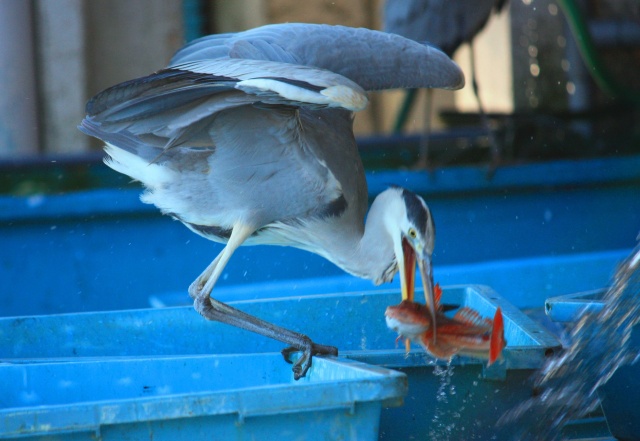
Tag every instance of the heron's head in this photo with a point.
(409, 222)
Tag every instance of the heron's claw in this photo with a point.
(302, 365)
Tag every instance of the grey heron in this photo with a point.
(446, 24)
(247, 138)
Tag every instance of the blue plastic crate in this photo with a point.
(224, 397)
(538, 278)
(620, 396)
(354, 322)
(105, 250)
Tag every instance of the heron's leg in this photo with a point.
(212, 309)
(423, 158)
(493, 145)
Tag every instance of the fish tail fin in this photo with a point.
(497, 337)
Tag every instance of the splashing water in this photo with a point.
(598, 347)
(441, 430)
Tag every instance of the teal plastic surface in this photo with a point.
(354, 322)
(224, 397)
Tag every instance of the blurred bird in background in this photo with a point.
(445, 24)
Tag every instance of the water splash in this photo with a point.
(441, 428)
(598, 347)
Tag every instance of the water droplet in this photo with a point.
(562, 42)
(534, 69)
(571, 88)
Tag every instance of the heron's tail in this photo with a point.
(126, 154)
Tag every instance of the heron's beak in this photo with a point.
(408, 273)
(426, 273)
(408, 277)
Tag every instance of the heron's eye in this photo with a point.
(412, 233)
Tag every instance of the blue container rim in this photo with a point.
(361, 383)
(570, 307)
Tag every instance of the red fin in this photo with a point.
(437, 295)
(469, 317)
(497, 338)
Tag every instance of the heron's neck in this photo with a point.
(370, 254)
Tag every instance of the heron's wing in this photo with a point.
(445, 24)
(373, 59)
(173, 106)
(283, 83)
(218, 126)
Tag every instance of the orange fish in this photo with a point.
(466, 333)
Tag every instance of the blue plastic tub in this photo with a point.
(620, 396)
(473, 399)
(525, 282)
(240, 397)
(105, 250)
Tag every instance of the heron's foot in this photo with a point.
(308, 349)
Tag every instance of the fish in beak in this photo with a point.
(466, 333)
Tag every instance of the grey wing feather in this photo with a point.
(124, 140)
(373, 59)
(176, 104)
(299, 65)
